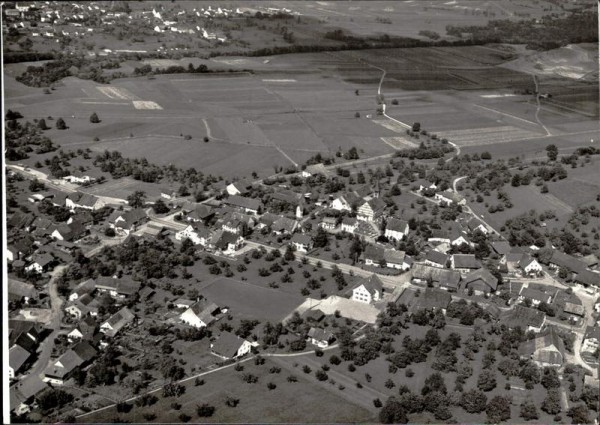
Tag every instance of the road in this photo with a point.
(537, 110)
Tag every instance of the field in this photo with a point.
(303, 401)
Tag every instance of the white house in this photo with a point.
(368, 290)
(238, 188)
(83, 201)
(328, 223)
(529, 265)
(370, 210)
(591, 340)
(117, 322)
(534, 295)
(396, 229)
(302, 243)
(200, 314)
(198, 234)
(230, 346)
(345, 202)
(320, 337)
(79, 178)
(448, 197)
(349, 224)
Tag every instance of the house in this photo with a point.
(464, 263)
(528, 319)
(574, 308)
(370, 210)
(396, 229)
(83, 201)
(500, 247)
(22, 395)
(230, 346)
(83, 306)
(439, 235)
(267, 220)
(128, 221)
(302, 243)
(197, 233)
(591, 340)
(349, 224)
(446, 279)
(85, 330)
(21, 291)
(26, 334)
(346, 202)
(481, 282)
(449, 197)
(249, 205)
(529, 265)
(368, 290)
(235, 226)
(226, 242)
(458, 238)
(85, 287)
(284, 226)
(39, 197)
(436, 259)
(202, 213)
(536, 296)
(475, 225)
(41, 263)
(561, 260)
(61, 370)
(17, 358)
(591, 261)
(238, 188)
(79, 178)
(116, 322)
(588, 278)
(546, 350)
(183, 303)
(374, 255)
(433, 299)
(397, 259)
(320, 337)
(20, 221)
(200, 314)
(69, 232)
(123, 287)
(328, 223)
(313, 315)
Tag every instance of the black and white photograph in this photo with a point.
(296, 212)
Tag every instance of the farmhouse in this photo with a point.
(284, 226)
(396, 229)
(446, 279)
(200, 314)
(17, 358)
(328, 223)
(560, 259)
(588, 278)
(500, 247)
(475, 225)
(85, 287)
(61, 370)
(86, 329)
(249, 205)
(197, 233)
(116, 322)
(302, 243)
(535, 296)
(226, 242)
(123, 287)
(78, 178)
(591, 340)
(234, 226)
(202, 213)
(481, 281)
(320, 337)
(238, 188)
(41, 263)
(349, 224)
(545, 350)
(69, 232)
(529, 265)
(433, 299)
(346, 202)
(368, 290)
(230, 346)
(21, 291)
(528, 319)
(449, 197)
(370, 210)
(436, 259)
(464, 263)
(83, 201)
(127, 222)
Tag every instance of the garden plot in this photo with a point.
(391, 125)
(487, 136)
(146, 104)
(400, 142)
(117, 93)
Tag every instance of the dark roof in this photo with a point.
(376, 204)
(268, 218)
(466, 261)
(242, 185)
(569, 262)
(372, 284)
(481, 275)
(227, 344)
(525, 261)
(437, 257)
(134, 216)
(374, 253)
(21, 289)
(243, 202)
(523, 317)
(84, 199)
(301, 239)
(287, 196)
(85, 351)
(445, 277)
(534, 294)
(284, 224)
(202, 212)
(349, 221)
(588, 277)
(394, 257)
(320, 334)
(225, 238)
(433, 298)
(396, 225)
(20, 220)
(548, 340)
(17, 356)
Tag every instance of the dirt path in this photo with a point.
(537, 110)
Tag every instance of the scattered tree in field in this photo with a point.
(160, 207)
(498, 409)
(528, 410)
(42, 124)
(357, 115)
(473, 401)
(552, 152)
(579, 414)
(13, 115)
(205, 410)
(551, 403)
(60, 124)
(94, 118)
(392, 412)
(416, 127)
(137, 199)
(550, 378)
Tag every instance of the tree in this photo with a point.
(551, 403)
(357, 115)
(94, 118)
(434, 382)
(473, 401)
(579, 414)
(516, 180)
(205, 410)
(392, 412)
(498, 409)
(528, 410)
(42, 124)
(321, 239)
(486, 381)
(416, 127)
(137, 199)
(550, 378)
(552, 152)
(13, 115)
(60, 124)
(160, 207)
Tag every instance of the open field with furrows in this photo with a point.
(302, 401)
(581, 187)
